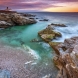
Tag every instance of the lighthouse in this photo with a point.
(7, 9)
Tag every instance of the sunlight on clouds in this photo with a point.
(67, 7)
(61, 9)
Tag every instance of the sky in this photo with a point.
(41, 5)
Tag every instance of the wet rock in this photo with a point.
(27, 15)
(4, 74)
(53, 45)
(44, 20)
(59, 25)
(37, 18)
(48, 34)
(66, 59)
(31, 18)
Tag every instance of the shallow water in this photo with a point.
(21, 36)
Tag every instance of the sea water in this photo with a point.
(21, 36)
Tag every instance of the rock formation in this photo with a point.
(48, 34)
(4, 24)
(66, 59)
(44, 20)
(12, 19)
(59, 25)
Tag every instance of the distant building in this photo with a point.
(7, 10)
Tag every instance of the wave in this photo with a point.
(32, 52)
(67, 32)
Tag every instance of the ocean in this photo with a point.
(21, 36)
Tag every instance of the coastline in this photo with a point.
(53, 45)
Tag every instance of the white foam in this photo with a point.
(32, 52)
(28, 62)
(67, 32)
(46, 76)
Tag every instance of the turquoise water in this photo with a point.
(20, 36)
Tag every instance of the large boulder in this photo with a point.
(21, 20)
(14, 19)
(67, 58)
(48, 34)
(59, 25)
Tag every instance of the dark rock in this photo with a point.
(27, 15)
(31, 18)
(59, 25)
(44, 20)
(36, 18)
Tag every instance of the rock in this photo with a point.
(27, 15)
(20, 20)
(12, 19)
(6, 18)
(44, 20)
(60, 25)
(48, 34)
(36, 18)
(4, 24)
(31, 18)
(53, 45)
(66, 59)
(4, 74)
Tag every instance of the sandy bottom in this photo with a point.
(14, 60)
(22, 64)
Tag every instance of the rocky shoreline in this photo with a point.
(48, 34)
(66, 59)
(15, 19)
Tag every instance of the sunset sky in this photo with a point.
(41, 5)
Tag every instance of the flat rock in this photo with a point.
(59, 25)
(48, 34)
(44, 20)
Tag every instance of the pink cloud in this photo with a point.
(31, 4)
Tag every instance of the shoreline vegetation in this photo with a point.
(66, 59)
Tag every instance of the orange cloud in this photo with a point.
(67, 7)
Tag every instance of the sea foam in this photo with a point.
(31, 51)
